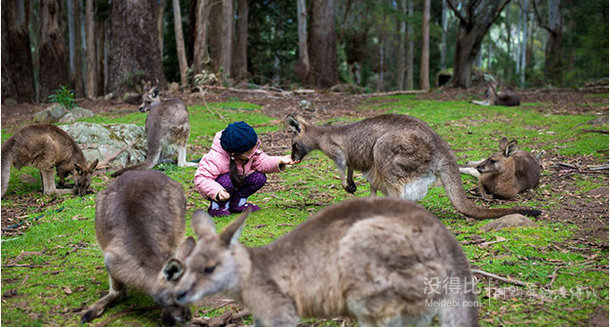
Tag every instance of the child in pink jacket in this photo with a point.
(234, 169)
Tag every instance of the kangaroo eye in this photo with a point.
(209, 269)
(491, 161)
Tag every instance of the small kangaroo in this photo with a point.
(166, 124)
(507, 172)
(139, 224)
(506, 98)
(399, 155)
(368, 258)
(47, 147)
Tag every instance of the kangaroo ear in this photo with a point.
(185, 249)
(202, 224)
(510, 148)
(155, 92)
(503, 144)
(79, 169)
(231, 233)
(93, 165)
(293, 124)
(173, 270)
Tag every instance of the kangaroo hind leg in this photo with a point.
(117, 292)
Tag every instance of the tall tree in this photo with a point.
(215, 36)
(134, 56)
(400, 68)
(302, 68)
(445, 27)
(17, 69)
(322, 44)
(200, 47)
(410, 45)
(475, 17)
(91, 89)
(78, 54)
(240, 55)
(180, 42)
(160, 24)
(227, 36)
(552, 51)
(424, 69)
(53, 70)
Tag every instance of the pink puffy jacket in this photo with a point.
(216, 163)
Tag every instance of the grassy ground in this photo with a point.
(55, 268)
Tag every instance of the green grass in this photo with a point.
(56, 266)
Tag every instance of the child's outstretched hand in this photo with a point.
(223, 195)
(287, 160)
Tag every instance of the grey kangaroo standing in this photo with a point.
(494, 98)
(47, 147)
(139, 224)
(167, 123)
(399, 155)
(507, 172)
(379, 260)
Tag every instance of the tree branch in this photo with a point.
(500, 9)
(539, 19)
(457, 13)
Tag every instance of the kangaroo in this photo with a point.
(507, 172)
(47, 147)
(346, 271)
(166, 124)
(506, 98)
(139, 224)
(400, 155)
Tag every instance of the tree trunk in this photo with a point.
(100, 41)
(552, 50)
(322, 44)
(445, 27)
(78, 55)
(215, 34)
(180, 42)
(134, 57)
(227, 38)
(524, 5)
(201, 51)
(302, 68)
(424, 76)
(240, 56)
(160, 25)
(53, 57)
(91, 90)
(17, 68)
(410, 46)
(400, 68)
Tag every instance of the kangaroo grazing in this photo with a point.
(166, 124)
(399, 155)
(47, 147)
(506, 98)
(139, 224)
(507, 172)
(368, 258)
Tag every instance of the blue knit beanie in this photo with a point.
(238, 137)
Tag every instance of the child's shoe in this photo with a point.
(217, 210)
(239, 205)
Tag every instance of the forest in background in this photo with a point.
(100, 47)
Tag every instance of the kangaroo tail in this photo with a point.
(7, 162)
(152, 158)
(450, 176)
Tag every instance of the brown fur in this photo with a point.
(47, 147)
(508, 172)
(399, 155)
(494, 98)
(365, 258)
(139, 224)
(166, 124)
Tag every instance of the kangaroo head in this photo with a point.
(150, 99)
(501, 161)
(211, 265)
(301, 143)
(82, 177)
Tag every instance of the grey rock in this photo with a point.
(509, 221)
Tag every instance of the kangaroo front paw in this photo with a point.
(351, 188)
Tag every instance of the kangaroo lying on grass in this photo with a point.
(400, 155)
(506, 98)
(506, 173)
(47, 147)
(166, 124)
(139, 223)
(367, 258)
